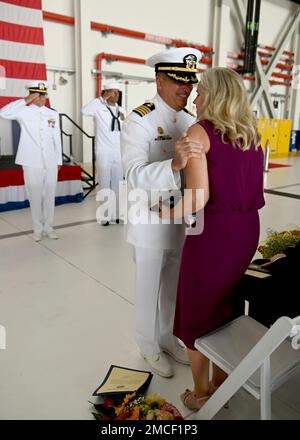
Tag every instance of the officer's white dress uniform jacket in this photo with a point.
(40, 142)
(106, 140)
(147, 148)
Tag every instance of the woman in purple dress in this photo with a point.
(230, 177)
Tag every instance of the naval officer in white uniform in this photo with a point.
(152, 159)
(108, 117)
(39, 153)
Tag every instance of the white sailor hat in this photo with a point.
(179, 63)
(39, 86)
(112, 86)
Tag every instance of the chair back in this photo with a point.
(255, 357)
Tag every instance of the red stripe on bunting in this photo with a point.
(11, 177)
(4, 100)
(19, 70)
(21, 34)
(34, 4)
(69, 172)
(15, 177)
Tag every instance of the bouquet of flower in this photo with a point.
(277, 242)
(137, 407)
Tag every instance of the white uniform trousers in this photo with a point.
(157, 272)
(40, 184)
(110, 173)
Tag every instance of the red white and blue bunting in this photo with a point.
(13, 193)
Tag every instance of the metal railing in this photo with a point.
(87, 178)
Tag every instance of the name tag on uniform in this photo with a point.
(163, 138)
(51, 123)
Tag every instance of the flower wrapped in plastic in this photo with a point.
(137, 407)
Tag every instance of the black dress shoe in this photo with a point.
(118, 221)
(105, 224)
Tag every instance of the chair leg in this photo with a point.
(265, 390)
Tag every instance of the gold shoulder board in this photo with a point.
(144, 109)
(190, 113)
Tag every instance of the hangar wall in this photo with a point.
(71, 50)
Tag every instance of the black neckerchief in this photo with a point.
(114, 119)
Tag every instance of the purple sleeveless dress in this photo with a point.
(213, 262)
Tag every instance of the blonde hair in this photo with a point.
(226, 106)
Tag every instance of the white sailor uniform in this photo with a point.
(147, 147)
(108, 120)
(39, 153)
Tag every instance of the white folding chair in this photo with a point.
(255, 357)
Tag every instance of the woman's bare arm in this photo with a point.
(196, 174)
(196, 179)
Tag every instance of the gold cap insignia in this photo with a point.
(190, 61)
(160, 130)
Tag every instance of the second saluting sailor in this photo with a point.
(152, 159)
(39, 153)
(108, 117)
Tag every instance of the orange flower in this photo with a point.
(127, 398)
(135, 415)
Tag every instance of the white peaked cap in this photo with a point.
(111, 86)
(38, 86)
(173, 56)
(180, 63)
